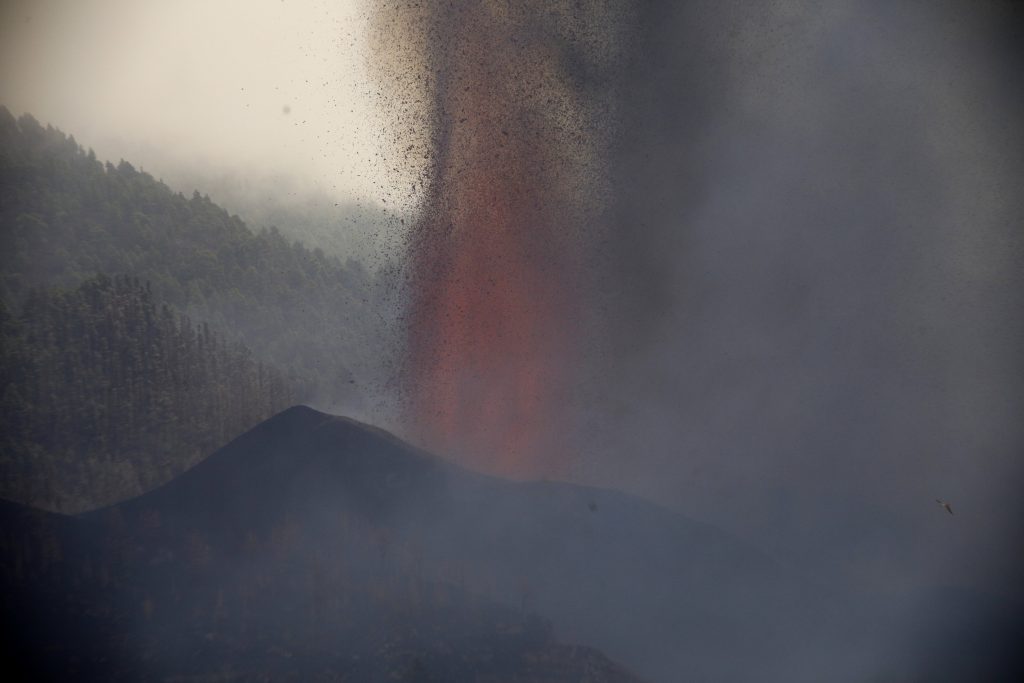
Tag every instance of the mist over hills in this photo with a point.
(76, 352)
(356, 230)
(66, 216)
(318, 546)
(106, 393)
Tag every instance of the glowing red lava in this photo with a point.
(492, 325)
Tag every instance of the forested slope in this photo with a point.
(142, 329)
(106, 394)
(66, 216)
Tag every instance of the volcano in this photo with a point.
(317, 548)
(280, 557)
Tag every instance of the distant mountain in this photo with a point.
(65, 216)
(290, 323)
(349, 229)
(105, 394)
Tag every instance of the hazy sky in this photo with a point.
(260, 86)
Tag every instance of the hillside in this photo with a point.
(66, 216)
(309, 520)
(650, 588)
(320, 548)
(105, 394)
(229, 573)
(138, 612)
(221, 327)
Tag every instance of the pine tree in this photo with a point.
(98, 380)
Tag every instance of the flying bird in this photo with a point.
(944, 504)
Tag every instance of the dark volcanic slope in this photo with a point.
(235, 572)
(317, 547)
(650, 588)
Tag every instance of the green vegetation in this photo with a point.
(66, 217)
(108, 386)
(105, 394)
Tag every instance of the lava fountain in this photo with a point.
(498, 307)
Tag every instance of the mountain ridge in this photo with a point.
(367, 557)
(305, 495)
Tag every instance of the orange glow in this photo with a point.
(491, 329)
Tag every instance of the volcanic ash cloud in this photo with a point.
(519, 100)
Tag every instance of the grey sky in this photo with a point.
(258, 86)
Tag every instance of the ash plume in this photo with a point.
(522, 101)
(759, 264)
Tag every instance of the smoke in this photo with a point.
(815, 331)
(757, 263)
(522, 101)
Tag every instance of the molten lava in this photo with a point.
(493, 325)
